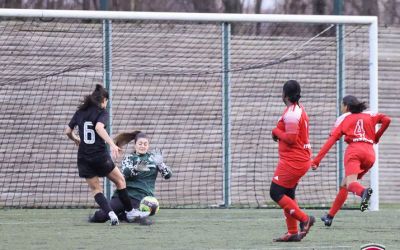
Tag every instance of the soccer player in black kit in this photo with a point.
(94, 161)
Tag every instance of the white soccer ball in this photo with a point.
(149, 204)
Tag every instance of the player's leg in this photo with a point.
(276, 193)
(131, 214)
(291, 193)
(358, 161)
(366, 164)
(283, 186)
(291, 212)
(116, 176)
(355, 187)
(99, 216)
(291, 222)
(101, 200)
(337, 204)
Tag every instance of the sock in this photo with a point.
(103, 203)
(124, 198)
(356, 188)
(291, 223)
(341, 197)
(291, 208)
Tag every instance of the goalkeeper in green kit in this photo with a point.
(140, 170)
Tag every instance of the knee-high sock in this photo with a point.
(291, 223)
(124, 197)
(356, 188)
(291, 208)
(341, 197)
(103, 203)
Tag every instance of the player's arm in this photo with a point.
(384, 120)
(101, 131)
(72, 136)
(336, 134)
(131, 167)
(69, 130)
(158, 159)
(285, 137)
(289, 136)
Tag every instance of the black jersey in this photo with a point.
(91, 143)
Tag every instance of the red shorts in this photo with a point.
(359, 159)
(288, 174)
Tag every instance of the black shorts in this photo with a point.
(97, 166)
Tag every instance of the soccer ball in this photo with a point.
(149, 204)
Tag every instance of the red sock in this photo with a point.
(291, 208)
(291, 223)
(339, 201)
(356, 188)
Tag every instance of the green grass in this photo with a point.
(193, 229)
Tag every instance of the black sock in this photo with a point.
(103, 203)
(124, 198)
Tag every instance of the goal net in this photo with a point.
(207, 92)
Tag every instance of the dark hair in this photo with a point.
(124, 138)
(291, 89)
(95, 98)
(353, 104)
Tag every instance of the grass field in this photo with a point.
(193, 229)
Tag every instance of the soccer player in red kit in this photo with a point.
(358, 127)
(294, 161)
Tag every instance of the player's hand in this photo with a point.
(274, 137)
(115, 151)
(141, 166)
(314, 165)
(129, 172)
(77, 141)
(157, 156)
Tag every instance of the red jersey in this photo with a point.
(357, 128)
(292, 132)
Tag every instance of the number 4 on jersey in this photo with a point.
(359, 129)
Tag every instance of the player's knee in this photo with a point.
(275, 196)
(275, 192)
(120, 183)
(96, 190)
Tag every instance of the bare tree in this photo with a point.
(390, 12)
(13, 4)
(370, 8)
(164, 5)
(86, 5)
(257, 10)
(205, 6)
(232, 6)
(320, 8)
(295, 7)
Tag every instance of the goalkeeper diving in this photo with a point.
(140, 170)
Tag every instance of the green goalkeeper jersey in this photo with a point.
(141, 183)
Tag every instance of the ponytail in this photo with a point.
(124, 138)
(353, 104)
(94, 99)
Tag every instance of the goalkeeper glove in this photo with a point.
(165, 171)
(130, 171)
(158, 159)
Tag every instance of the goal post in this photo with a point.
(205, 87)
